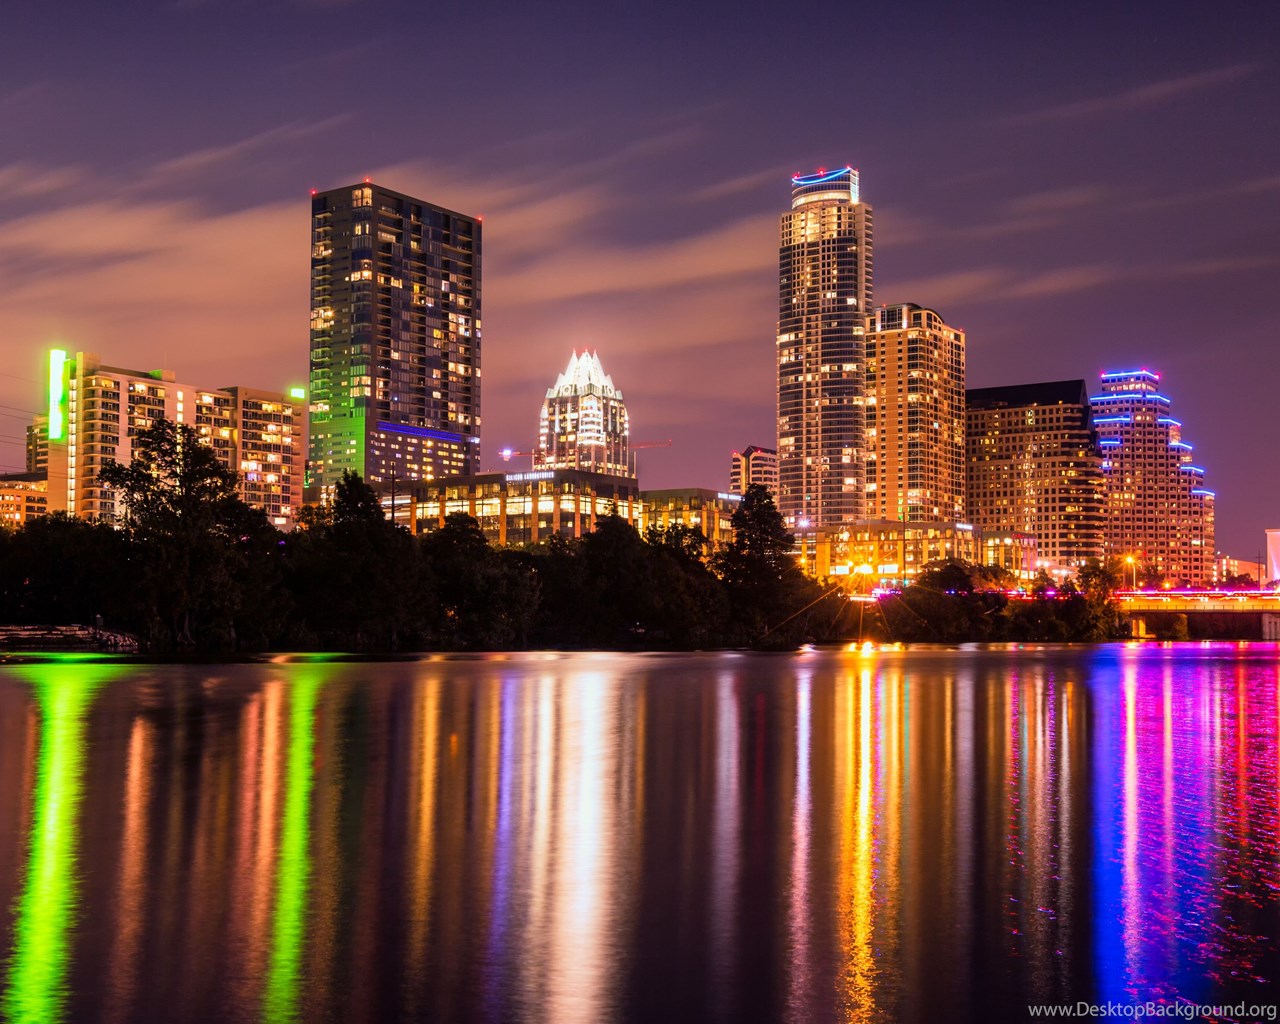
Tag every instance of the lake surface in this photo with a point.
(829, 836)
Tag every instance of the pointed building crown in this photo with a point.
(584, 375)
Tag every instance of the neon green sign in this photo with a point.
(57, 394)
(298, 393)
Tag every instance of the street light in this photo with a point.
(1130, 559)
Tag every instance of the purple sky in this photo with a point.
(1079, 189)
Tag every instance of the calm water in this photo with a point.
(901, 836)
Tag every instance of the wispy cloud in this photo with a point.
(27, 181)
(998, 283)
(1136, 98)
(239, 149)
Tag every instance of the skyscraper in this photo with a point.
(1033, 466)
(395, 338)
(754, 465)
(583, 423)
(1158, 511)
(915, 416)
(824, 292)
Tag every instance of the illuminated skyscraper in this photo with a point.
(915, 416)
(583, 424)
(824, 293)
(754, 465)
(395, 338)
(1033, 467)
(1158, 511)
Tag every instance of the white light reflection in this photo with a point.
(726, 856)
(801, 825)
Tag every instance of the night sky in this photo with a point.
(1078, 188)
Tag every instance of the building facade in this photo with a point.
(520, 509)
(695, 507)
(1034, 467)
(915, 416)
(1158, 511)
(890, 553)
(38, 445)
(754, 465)
(395, 338)
(583, 423)
(96, 410)
(824, 292)
(23, 497)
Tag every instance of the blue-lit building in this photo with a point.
(1158, 512)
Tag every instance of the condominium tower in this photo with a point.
(96, 410)
(395, 338)
(1158, 511)
(754, 465)
(824, 293)
(915, 416)
(1033, 467)
(583, 423)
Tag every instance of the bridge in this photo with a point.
(1138, 605)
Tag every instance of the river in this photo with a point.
(857, 835)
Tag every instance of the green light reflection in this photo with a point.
(293, 872)
(36, 987)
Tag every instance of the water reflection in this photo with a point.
(884, 837)
(36, 985)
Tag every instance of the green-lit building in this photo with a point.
(395, 338)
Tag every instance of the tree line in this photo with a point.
(190, 566)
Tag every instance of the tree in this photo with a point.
(769, 595)
(1098, 581)
(196, 539)
(358, 580)
(485, 599)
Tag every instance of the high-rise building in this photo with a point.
(1158, 511)
(1033, 467)
(824, 292)
(38, 445)
(395, 338)
(754, 465)
(583, 423)
(96, 410)
(915, 416)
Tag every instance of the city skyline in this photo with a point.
(1103, 204)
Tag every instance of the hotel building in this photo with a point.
(524, 508)
(824, 294)
(695, 507)
(583, 423)
(754, 465)
(395, 338)
(914, 416)
(1034, 467)
(96, 410)
(1158, 511)
(889, 553)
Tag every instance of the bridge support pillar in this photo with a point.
(1270, 626)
